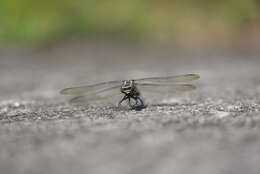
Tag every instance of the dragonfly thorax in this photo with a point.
(128, 86)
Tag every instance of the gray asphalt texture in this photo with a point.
(214, 129)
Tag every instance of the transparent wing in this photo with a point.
(101, 95)
(96, 88)
(169, 79)
(81, 99)
(165, 88)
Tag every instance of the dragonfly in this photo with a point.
(131, 89)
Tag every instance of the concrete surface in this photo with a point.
(214, 129)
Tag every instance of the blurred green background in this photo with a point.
(180, 21)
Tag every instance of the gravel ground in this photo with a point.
(214, 129)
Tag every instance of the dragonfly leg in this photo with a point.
(138, 99)
(129, 102)
(123, 99)
(139, 104)
(131, 105)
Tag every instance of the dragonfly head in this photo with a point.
(127, 86)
